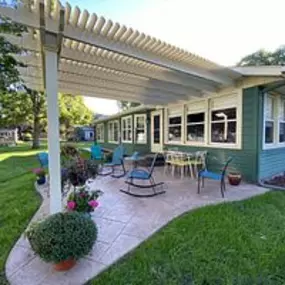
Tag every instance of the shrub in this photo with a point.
(69, 150)
(62, 236)
(27, 137)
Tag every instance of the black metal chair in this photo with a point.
(205, 173)
(143, 175)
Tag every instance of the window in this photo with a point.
(127, 129)
(282, 122)
(269, 119)
(100, 132)
(113, 131)
(224, 126)
(174, 124)
(195, 131)
(140, 128)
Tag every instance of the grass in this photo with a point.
(18, 199)
(240, 243)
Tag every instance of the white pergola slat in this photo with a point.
(81, 53)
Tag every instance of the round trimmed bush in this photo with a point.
(63, 236)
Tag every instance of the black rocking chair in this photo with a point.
(143, 175)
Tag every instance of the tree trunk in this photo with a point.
(36, 132)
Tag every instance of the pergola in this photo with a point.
(77, 53)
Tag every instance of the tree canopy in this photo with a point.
(263, 57)
(19, 109)
(125, 105)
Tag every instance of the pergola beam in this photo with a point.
(158, 74)
(115, 81)
(77, 34)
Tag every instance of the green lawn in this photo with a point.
(241, 243)
(18, 199)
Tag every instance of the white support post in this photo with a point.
(53, 130)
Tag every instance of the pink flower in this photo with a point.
(93, 203)
(71, 205)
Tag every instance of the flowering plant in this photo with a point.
(83, 200)
(39, 172)
(79, 170)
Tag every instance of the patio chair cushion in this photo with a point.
(210, 175)
(138, 174)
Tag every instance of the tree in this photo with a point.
(125, 105)
(263, 57)
(9, 73)
(73, 112)
(38, 102)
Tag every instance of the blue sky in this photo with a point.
(220, 30)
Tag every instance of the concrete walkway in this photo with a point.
(123, 223)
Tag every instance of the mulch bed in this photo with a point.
(278, 180)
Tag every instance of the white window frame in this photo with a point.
(122, 129)
(281, 119)
(111, 131)
(136, 116)
(102, 132)
(277, 119)
(167, 116)
(200, 107)
(238, 105)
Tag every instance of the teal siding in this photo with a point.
(271, 161)
(245, 159)
(130, 147)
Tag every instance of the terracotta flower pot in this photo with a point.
(234, 178)
(64, 265)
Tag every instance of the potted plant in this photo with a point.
(62, 239)
(234, 178)
(79, 170)
(84, 201)
(41, 175)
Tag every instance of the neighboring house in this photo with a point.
(246, 121)
(8, 136)
(84, 133)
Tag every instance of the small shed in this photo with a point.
(85, 133)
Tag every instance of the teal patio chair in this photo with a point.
(97, 152)
(117, 161)
(205, 173)
(143, 175)
(43, 159)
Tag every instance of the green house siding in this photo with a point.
(245, 159)
(129, 147)
(271, 161)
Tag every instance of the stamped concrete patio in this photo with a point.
(123, 223)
